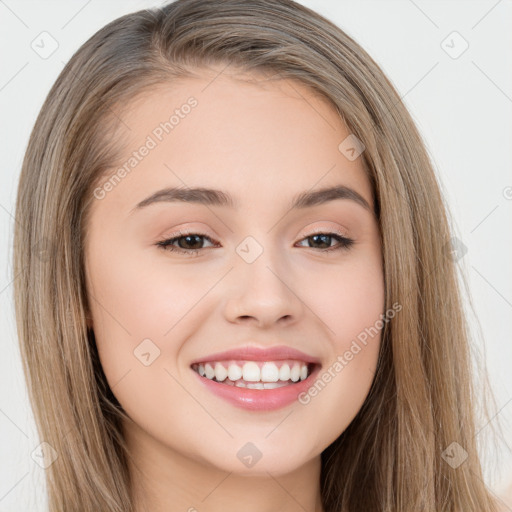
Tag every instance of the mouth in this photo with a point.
(260, 375)
(256, 378)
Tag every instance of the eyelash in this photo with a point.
(344, 242)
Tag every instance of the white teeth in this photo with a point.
(274, 385)
(234, 372)
(270, 372)
(284, 372)
(295, 373)
(255, 385)
(251, 372)
(209, 371)
(266, 385)
(220, 372)
(258, 385)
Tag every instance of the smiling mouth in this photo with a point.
(255, 374)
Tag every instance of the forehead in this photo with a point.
(253, 134)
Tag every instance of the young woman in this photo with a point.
(237, 288)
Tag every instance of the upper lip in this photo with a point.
(251, 353)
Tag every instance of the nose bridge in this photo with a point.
(262, 288)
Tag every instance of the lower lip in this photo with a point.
(259, 399)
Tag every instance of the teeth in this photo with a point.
(258, 385)
(255, 385)
(295, 373)
(220, 372)
(234, 372)
(265, 385)
(251, 374)
(270, 372)
(284, 372)
(274, 385)
(209, 371)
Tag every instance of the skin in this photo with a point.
(262, 143)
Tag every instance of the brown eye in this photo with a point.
(188, 243)
(324, 240)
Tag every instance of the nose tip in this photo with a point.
(262, 297)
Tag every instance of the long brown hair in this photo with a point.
(393, 457)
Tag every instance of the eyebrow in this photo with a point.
(213, 197)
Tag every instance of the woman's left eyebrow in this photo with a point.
(213, 197)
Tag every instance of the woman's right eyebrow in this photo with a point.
(214, 197)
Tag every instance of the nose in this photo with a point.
(264, 294)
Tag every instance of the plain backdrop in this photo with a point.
(451, 62)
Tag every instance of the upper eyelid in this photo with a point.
(309, 232)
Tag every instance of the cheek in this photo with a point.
(133, 306)
(348, 298)
(134, 299)
(135, 303)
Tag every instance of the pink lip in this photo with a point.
(260, 399)
(259, 354)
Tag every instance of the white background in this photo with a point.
(462, 107)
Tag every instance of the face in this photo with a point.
(171, 282)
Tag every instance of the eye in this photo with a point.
(191, 244)
(188, 243)
(324, 239)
